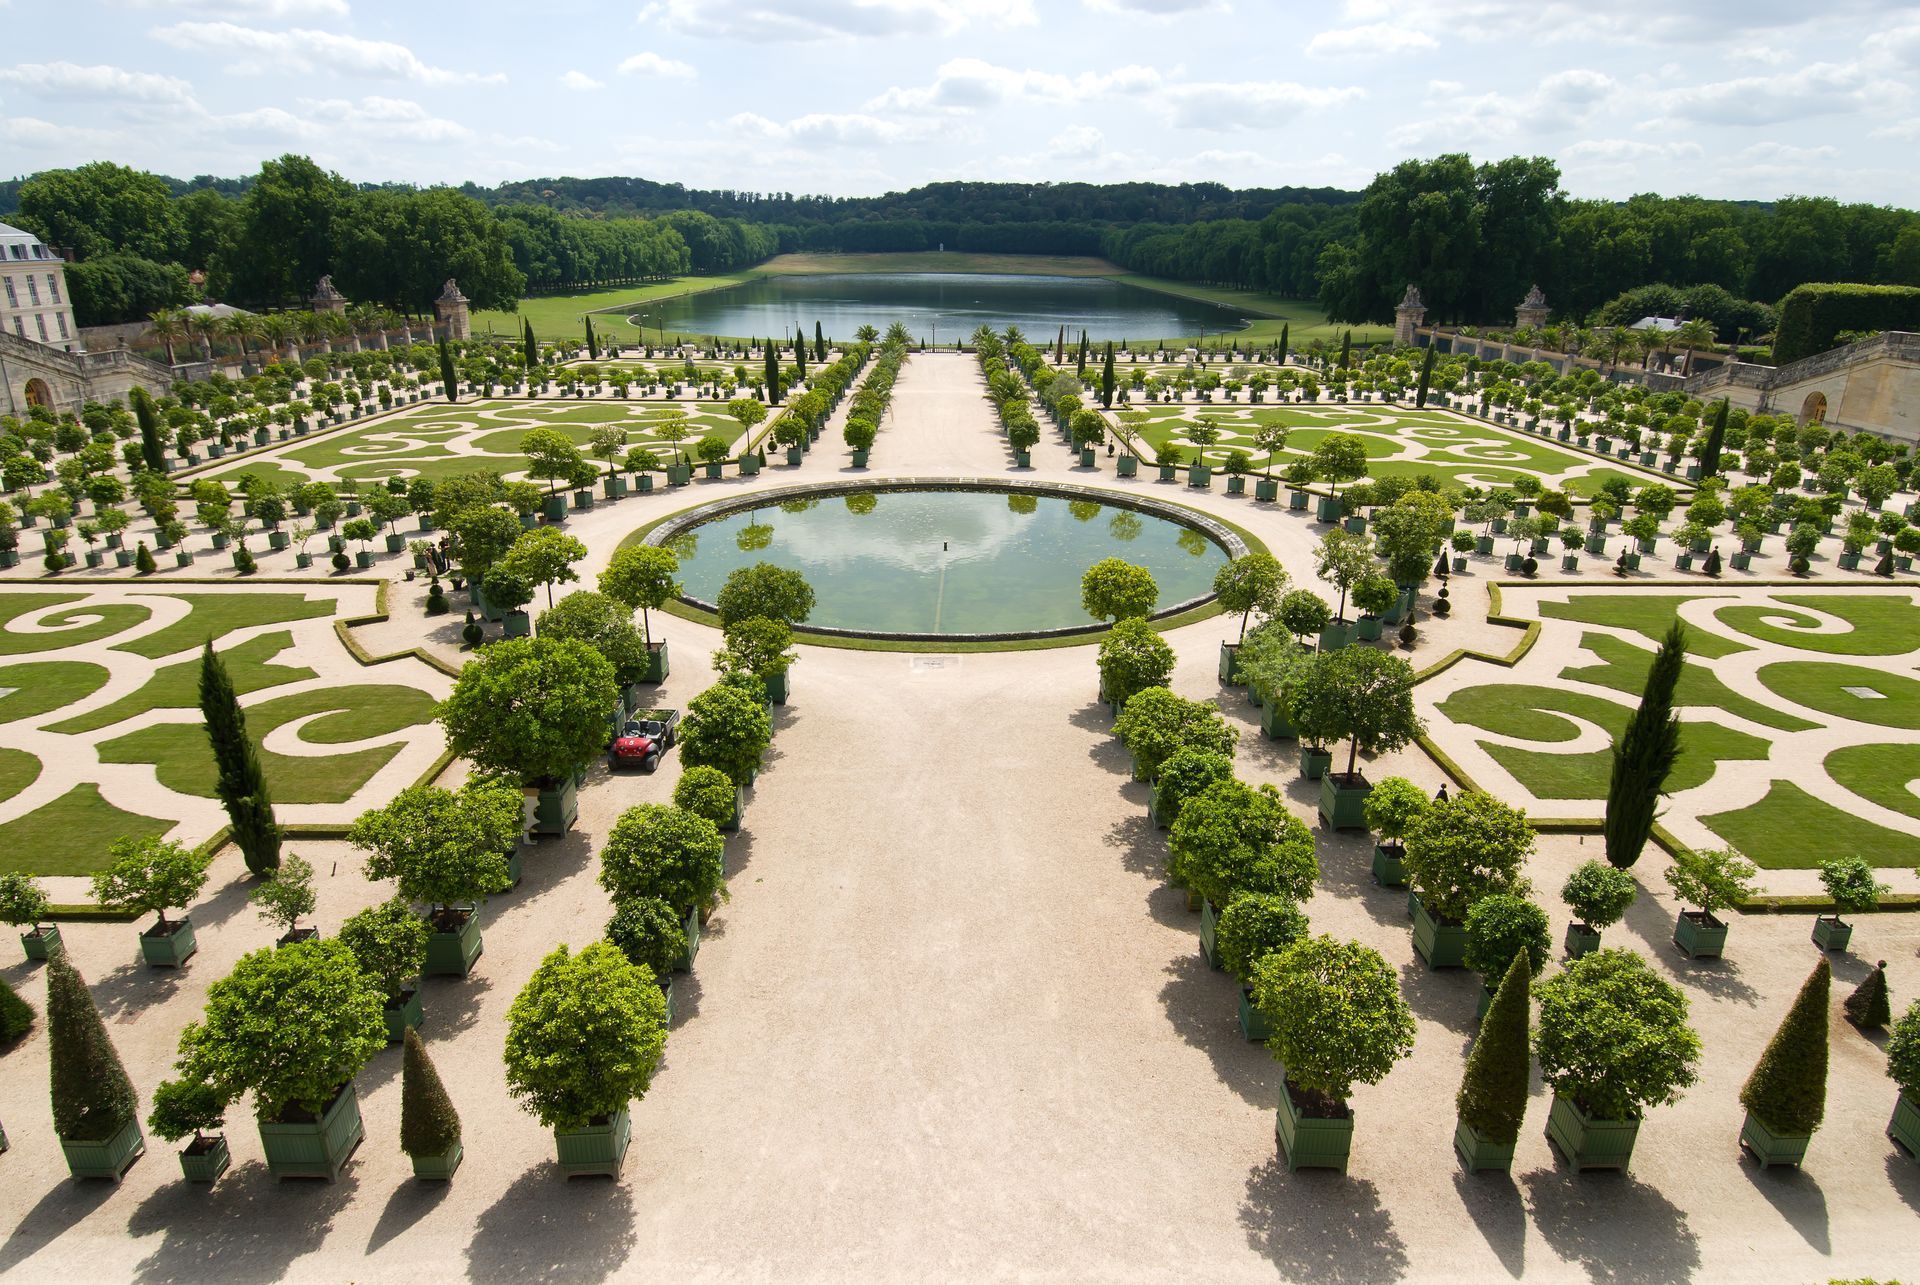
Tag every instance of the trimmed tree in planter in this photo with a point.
(1113, 589)
(604, 624)
(1903, 1065)
(726, 727)
(1850, 882)
(1250, 583)
(1392, 808)
(24, 904)
(1368, 700)
(761, 647)
(534, 710)
(96, 1113)
(291, 1026)
(1156, 723)
(1133, 657)
(1343, 560)
(1253, 926)
(389, 941)
(1338, 1020)
(239, 783)
(763, 589)
(182, 1107)
(1613, 1040)
(1501, 928)
(1712, 879)
(1644, 755)
(1786, 1096)
(1460, 850)
(1303, 613)
(429, 1125)
(1492, 1100)
(446, 850)
(649, 932)
(1233, 838)
(710, 793)
(1869, 1006)
(157, 875)
(1185, 774)
(1599, 896)
(667, 852)
(583, 1040)
(284, 897)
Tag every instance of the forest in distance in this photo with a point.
(1473, 235)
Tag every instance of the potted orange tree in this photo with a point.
(154, 874)
(24, 903)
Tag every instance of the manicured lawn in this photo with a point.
(1880, 773)
(177, 686)
(18, 770)
(1822, 685)
(69, 836)
(1883, 624)
(184, 763)
(215, 615)
(41, 686)
(65, 629)
(1624, 668)
(1648, 614)
(1790, 829)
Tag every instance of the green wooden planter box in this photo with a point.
(41, 942)
(777, 687)
(1336, 635)
(1581, 940)
(1356, 525)
(1253, 1023)
(666, 993)
(1200, 475)
(595, 1149)
(1367, 628)
(1829, 933)
(438, 1168)
(1389, 868)
(732, 822)
(1209, 927)
(1273, 721)
(558, 808)
(1265, 488)
(1314, 762)
(1327, 509)
(169, 949)
(1904, 1127)
(108, 1158)
(452, 954)
(1230, 664)
(1309, 1143)
(555, 508)
(205, 1159)
(1589, 1143)
(315, 1148)
(1343, 806)
(1442, 945)
(583, 498)
(1769, 1148)
(1154, 814)
(1477, 1153)
(657, 664)
(407, 1013)
(1700, 935)
(693, 943)
(1127, 466)
(1296, 501)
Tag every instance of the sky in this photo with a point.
(1753, 100)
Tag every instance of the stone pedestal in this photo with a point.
(1407, 317)
(451, 308)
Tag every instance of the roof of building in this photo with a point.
(215, 310)
(1662, 324)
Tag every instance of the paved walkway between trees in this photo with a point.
(953, 1025)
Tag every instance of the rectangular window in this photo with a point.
(53, 287)
(33, 290)
(19, 252)
(61, 317)
(19, 325)
(13, 300)
(40, 320)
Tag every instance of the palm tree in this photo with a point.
(866, 334)
(1694, 332)
(277, 329)
(337, 328)
(203, 326)
(168, 326)
(311, 327)
(1651, 341)
(897, 333)
(240, 327)
(387, 322)
(366, 321)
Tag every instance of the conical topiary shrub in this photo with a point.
(1493, 1094)
(1787, 1093)
(429, 1126)
(92, 1096)
(1870, 1006)
(16, 1015)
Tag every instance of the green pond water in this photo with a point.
(946, 562)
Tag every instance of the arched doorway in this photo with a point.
(1814, 409)
(38, 394)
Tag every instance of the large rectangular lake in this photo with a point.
(936, 306)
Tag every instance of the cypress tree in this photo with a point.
(1787, 1091)
(92, 1097)
(448, 376)
(143, 559)
(530, 347)
(1346, 349)
(1644, 755)
(773, 374)
(152, 452)
(1284, 328)
(1080, 364)
(1870, 1007)
(1060, 347)
(16, 1015)
(800, 350)
(1716, 437)
(593, 349)
(1493, 1092)
(819, 342)
(1106, 378)
(429, 1126)
(1426, 377)
(241, 785)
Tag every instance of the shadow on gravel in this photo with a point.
(1613, 1225)
(409, 1203)
(1444, 995)
(1203, 1007)
(1716, 978)
(1796, 1196)
(136, 985)
(1319, 1225)
(545, 1228)
(57, 1211)
(1494, 1203)
(247, 1227)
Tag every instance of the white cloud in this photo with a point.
(256, 9)
(1383, 38)
(966, 84)
(393, 120)
(306, 50)
(652, 64)
(1249, 104)
(46, 136)
(1765, 55)
(764, 21)
(829, 129)
(1817, 89)
(98, 82)
(1161, 8)
(580, 81)
(1450, 117)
